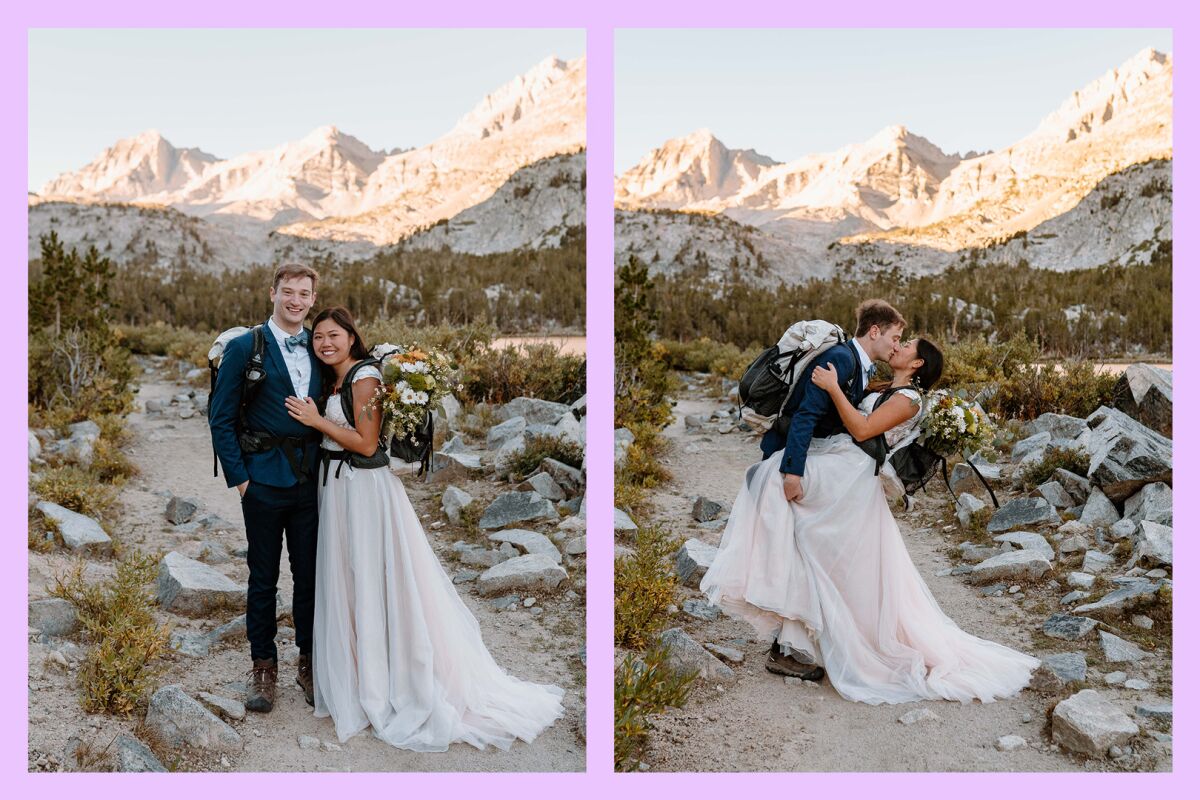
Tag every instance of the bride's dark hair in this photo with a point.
(929, 373)
(340, 315)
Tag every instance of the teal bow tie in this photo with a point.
(300, 339)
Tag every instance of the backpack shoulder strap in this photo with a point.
(346, 395)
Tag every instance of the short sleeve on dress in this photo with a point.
(368, 372)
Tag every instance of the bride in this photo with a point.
(829, 577)
(394, 647)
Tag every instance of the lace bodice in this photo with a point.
(333, 408)
(905, 428)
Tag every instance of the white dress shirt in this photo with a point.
(865, 362)
(298, 364)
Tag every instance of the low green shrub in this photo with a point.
(642, 687)
(644, 585)
(974, 362)
(125, 641)
(159, 339)
(79, 489)
(1072, 459)
(1076, 388)
(704, 355)
(539, 448)
(531, 370)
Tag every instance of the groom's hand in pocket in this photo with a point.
(793, 488)
(242, 487)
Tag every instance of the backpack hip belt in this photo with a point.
(262, 442)
(355, 460)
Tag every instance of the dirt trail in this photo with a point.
(175, 456)
(762, 724)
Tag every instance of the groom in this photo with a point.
(810, 413)
(270, 457)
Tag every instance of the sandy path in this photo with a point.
(175, 456)
(762, 724)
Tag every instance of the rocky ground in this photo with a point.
(517, 555)
(1062, 572)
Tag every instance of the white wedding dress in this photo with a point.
(394, 647)
(831, 576)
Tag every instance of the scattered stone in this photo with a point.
(1068, 626)
(513, 507)
(544, 485)
(1031, 448)
(224, 706)
(330, 747)
(178, 720)
(693, 423)
(1076, 486)
(528, 542)
(974, 553)
(1081, 580)
(685, 654)
(454, 500)
(512, 428)
(693, 560)
(133, 756)
(1122, 529)
(1160, 712)
(1023, 512)
(1088, 724)
(622, 439)
(962, 569)
(181, 510)
(1142, 621)
(918, 715)
(1125, 454)
(701, 609)
(1094, 561)
(1059, 426)
(1121, 598)
(995, 590)
(1137, 684)
(1117, 650)
(1099, 510)
(726, 654)
(79, 444)
(576, 546)
(501, 603)
(534, 572)
(1072, 597)
(307, 742)
(966, 506)
(566, 476)
(1006, 744)
(705, 510)
(1068, 667)
(53, 616)
(1018, 564)
(1056, 495)
(78, 533)
(1152, 503)
(1115, 678)
(1153, 544)
(464, 576)
(1033, 542)
(1144, 392)
(534, 410)
(35, 447)
(473, 555)
(188, 587)
(622, 521)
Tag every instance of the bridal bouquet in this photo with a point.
(952, 424)
(414, 383)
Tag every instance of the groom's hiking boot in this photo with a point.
(793, 666)
(304, 677)
(260, 695)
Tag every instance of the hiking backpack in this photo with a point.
(416, 447)
(252, 376)
(769, 381)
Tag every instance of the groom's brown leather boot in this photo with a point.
(791, 667)
(304, 677)
(260, 695)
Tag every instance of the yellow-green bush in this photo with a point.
(531, 370)
(462, 342)
(166, 340)
(1076, 389)
(704, 355)
(645, 585)
(79, 489)
(538, 448)
(125, 641)
(1072, 459)
(974, 362)
(644, 686)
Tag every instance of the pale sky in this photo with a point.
(789, 93)
(233, 91)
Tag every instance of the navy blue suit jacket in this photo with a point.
(265, 413)
(809, 405)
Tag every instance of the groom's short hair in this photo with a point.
(288, 271)
(876, 312)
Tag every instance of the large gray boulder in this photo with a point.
(685, 655)
(78, 533)
(179, 721)
(1152, 544)
(507, 452)
(1121, 599)
(622, 521)
(512, 428)
(692, 561)
(1068, 627)
(1076, 485)
(1069, 667)
(1125, 454)
(528, 542)
(1023, 512)
(192, 588)
(1015, 565)
(1099, 512)
(1056, 495)
(535, 572)
(53, 616)
(533, 410)
(1027, 540)
(1059, 426)
(544, 485)
(566, 476)
(966, 506)
(1153, 502)
(1144, 393)
(1086, 723)
(1031, 448)
(79, 446)
(513, 507)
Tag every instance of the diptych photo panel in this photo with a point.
(893, 413)
(306, 400)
